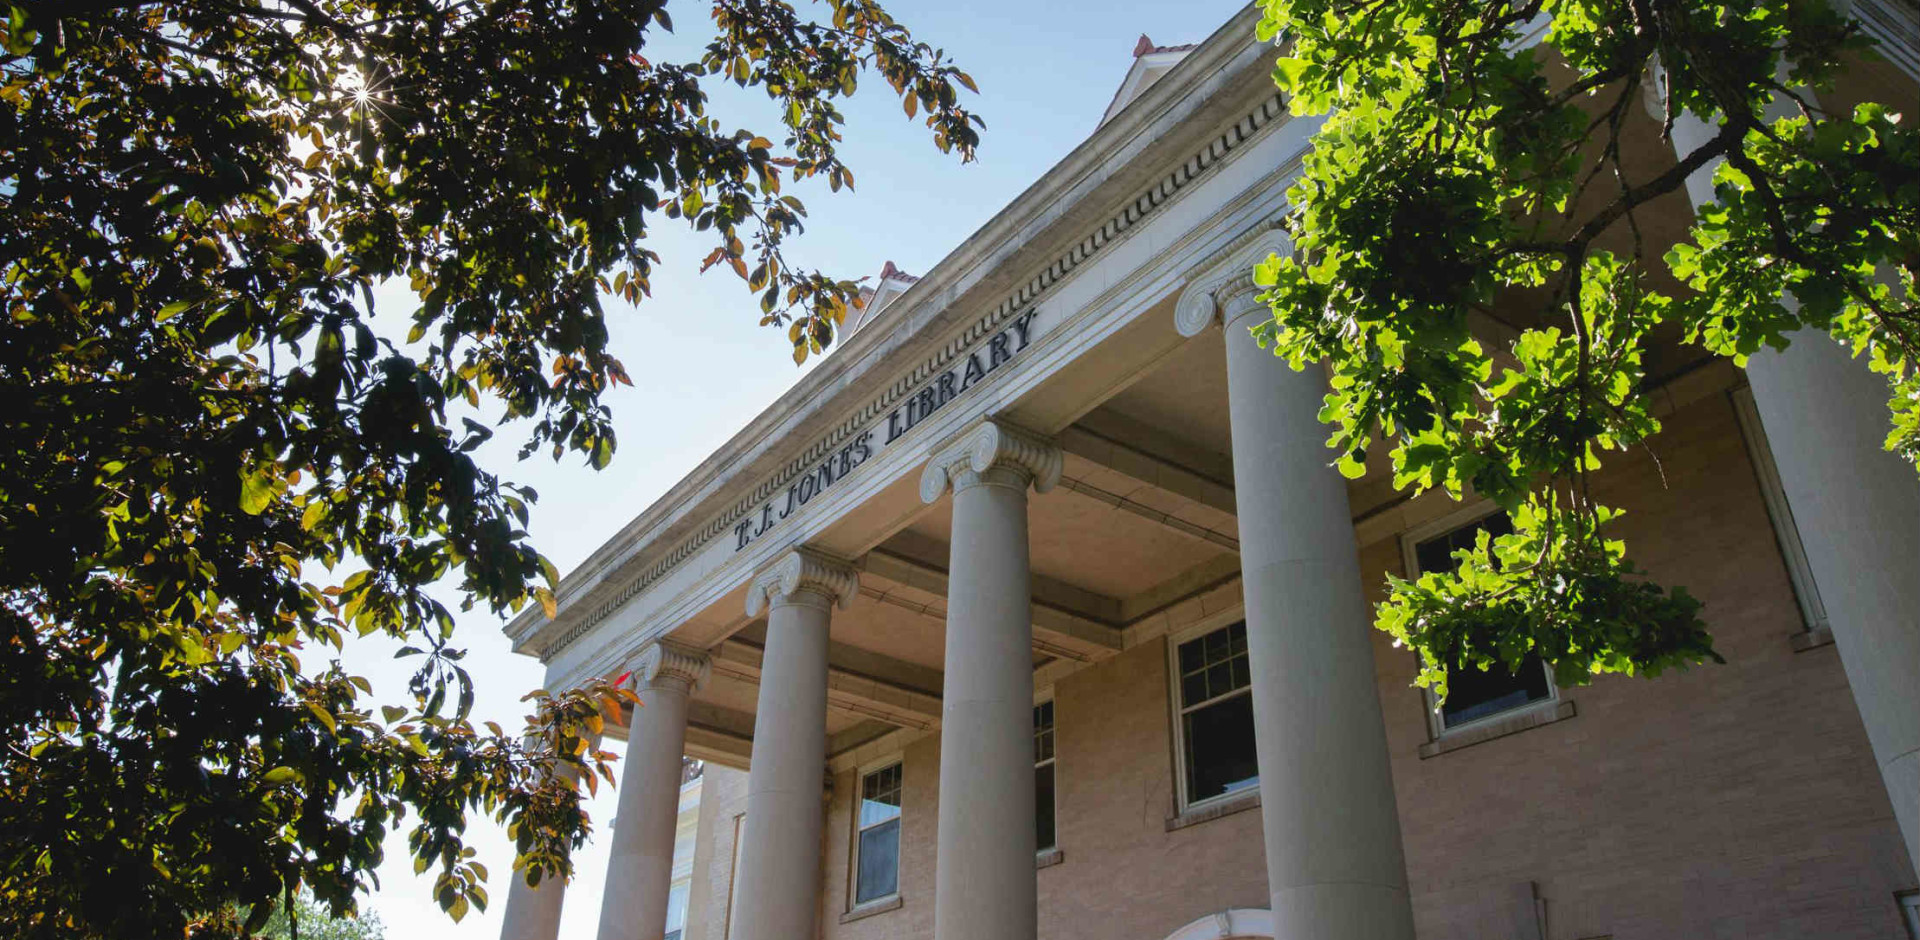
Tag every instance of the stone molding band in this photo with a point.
(803, 570)
(671, 666)
(988, 445)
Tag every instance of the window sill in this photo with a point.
(1208, 812)
(872, 908)
(1047, 858)
(1498, 728)
(1812, 639)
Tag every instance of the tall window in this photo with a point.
(1043, 775)
(877, 862)
(1473, 695)
(1216, 715)
(1910, 906)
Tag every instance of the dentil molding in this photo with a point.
(803, 570)
(987, 445)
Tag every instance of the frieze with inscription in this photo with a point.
(936, 393)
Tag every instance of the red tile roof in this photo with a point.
(1146, 47)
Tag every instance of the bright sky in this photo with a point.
(702, 367)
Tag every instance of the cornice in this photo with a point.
(601, 599)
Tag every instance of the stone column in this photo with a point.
(779, 881)
(1858, 511)
(1335, 868)
(640, 872)
(984, 886)
(533, 913)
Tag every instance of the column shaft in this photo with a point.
(984, 876)
(533, 913)
(779, 881)
(640, 871)
(1858, 511)
(1335, 867)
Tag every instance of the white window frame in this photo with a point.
(733, 873)
(1046, 698)
(1437, 727)
(1176, 712)
(860, 775)
(1910, 909)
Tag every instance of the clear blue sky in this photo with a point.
(702, 367)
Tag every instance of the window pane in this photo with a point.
(1220, 753)
(676, 908)
(1472, 694)
(874, 812)
(1043, 806)
(1218, 646)
(1213, 665)
(1190, 658)
(880, 796)
(1043, 731)
(1193, 688)
(1219, 679)
(1436, 554)
(879, 862)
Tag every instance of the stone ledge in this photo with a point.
(1812, 639)
(1047, 858)
(1227, 806)
(1499, 728)
(871, 908)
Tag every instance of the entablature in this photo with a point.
(1174, 132)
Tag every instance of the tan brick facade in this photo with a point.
(1728, 801)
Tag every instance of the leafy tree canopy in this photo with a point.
(207, 411)
(1466, 170)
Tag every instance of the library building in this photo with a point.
(1037, 612)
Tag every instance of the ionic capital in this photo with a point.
(799, 572)
(672, 667)
(1226, 292)
(1197, 311)
(989, 445)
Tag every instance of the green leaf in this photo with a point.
(282, 777)
(256, 491)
